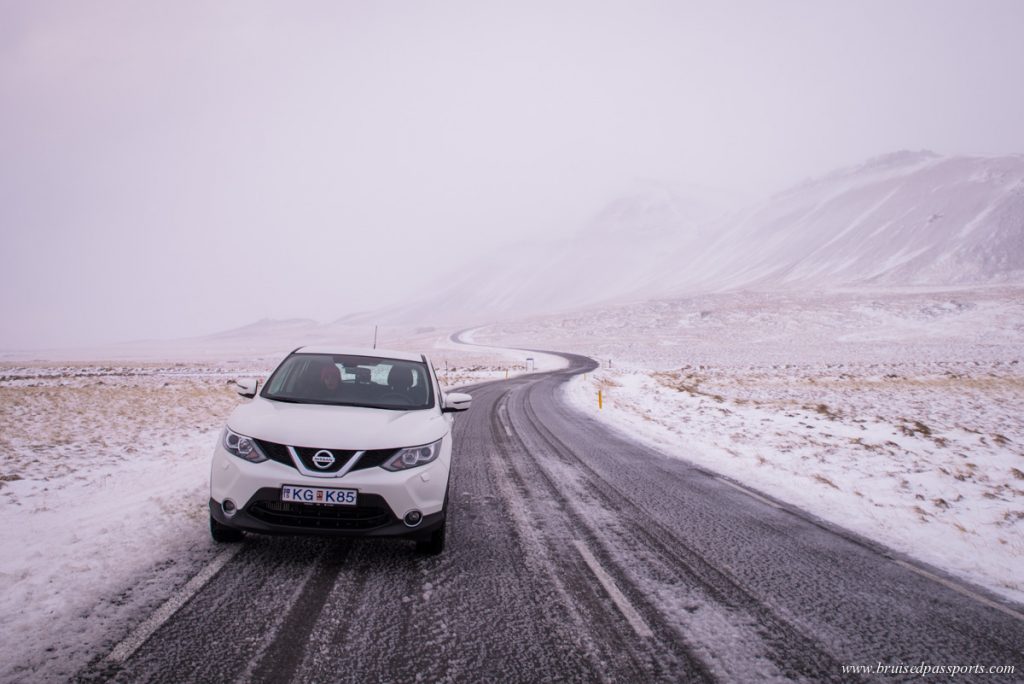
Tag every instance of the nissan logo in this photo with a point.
(323, 459)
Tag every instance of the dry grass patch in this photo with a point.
(73, 420)
(824, 480)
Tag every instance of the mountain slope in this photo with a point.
(611, 256)
(903, 219)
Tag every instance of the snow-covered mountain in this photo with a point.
(909, 218)
(903, 219)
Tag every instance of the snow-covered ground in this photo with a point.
(103, 491)
(104, 486)
(897, 415)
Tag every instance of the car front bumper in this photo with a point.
(246, 519)
(383, 499)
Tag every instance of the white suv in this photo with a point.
(339, 442)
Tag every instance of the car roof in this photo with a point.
(361, 351)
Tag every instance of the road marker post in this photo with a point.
(600, 402)
(506, 373)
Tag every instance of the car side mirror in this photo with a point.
(247, 388)
(456, 402)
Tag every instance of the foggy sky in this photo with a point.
(181, 168)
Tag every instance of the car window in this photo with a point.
(351, 381)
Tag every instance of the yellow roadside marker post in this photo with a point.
(600, 403)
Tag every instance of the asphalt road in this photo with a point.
(574, 555)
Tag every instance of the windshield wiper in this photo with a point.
(285, 399)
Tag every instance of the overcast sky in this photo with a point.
(179, 168)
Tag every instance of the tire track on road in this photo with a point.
(792, 651)
(666, 656)
(288, 637)
(224, 627)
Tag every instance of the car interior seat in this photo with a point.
(400, 379)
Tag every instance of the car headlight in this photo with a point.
(242, 446)
(413, 456)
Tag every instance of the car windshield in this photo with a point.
(351, 381)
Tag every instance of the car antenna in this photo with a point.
(375, 337)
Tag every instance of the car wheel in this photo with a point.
(223, 533)
(434, 544)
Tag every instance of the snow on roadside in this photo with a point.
(897, 413)
(103, 490)
(931, 465)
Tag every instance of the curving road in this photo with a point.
(575, 555)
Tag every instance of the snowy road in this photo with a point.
(574, 555)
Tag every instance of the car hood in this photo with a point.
(336, 427)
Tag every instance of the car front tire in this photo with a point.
(434, 544)
(223, 534)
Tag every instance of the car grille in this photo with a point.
(374, 458)
(341, 457)
(279, 452)
(369, 512)
(275, 452)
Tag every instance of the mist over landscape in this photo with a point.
(177, 173)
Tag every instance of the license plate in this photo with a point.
(319, 495)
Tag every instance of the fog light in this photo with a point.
(413, 518)
(228, 507)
